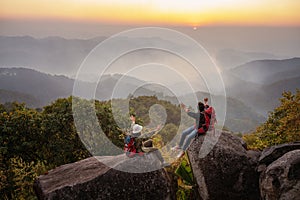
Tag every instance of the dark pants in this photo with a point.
(138, 144)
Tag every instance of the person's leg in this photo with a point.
(138, 145)
(185, 133)
(189, 139)
(158, 155)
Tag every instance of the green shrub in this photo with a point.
(282, 125)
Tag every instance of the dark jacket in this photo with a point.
(199, 119)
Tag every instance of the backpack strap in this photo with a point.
(203, 127)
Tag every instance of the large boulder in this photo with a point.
(91, 179)
(228, 171)
(281, 179)
(272, 153)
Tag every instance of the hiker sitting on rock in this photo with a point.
(191, 132)
(144, 144)
(140, 137)
(131, 143)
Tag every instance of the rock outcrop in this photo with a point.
(228, 171)
(222, 166)
(91, 179)
(281, 179)
(272, 153)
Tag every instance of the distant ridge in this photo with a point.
(230, 58)
(268, 71)
(55, 55)
(260, 83)
(12, 96)
(46, 87)
(38, 89)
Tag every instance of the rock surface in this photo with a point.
(281, 179)
(271, 154)
(222, 167)
(91, 179)
(228, 171)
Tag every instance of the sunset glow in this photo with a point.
(188, 12)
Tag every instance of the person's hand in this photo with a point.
(158, 127)
(183, 106)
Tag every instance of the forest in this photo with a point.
(34, 141)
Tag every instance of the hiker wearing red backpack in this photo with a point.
(211, 113)
(131, 146)
(202, 123)
(134, 138)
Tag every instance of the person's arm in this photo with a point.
(151, 133)
(148, 135)
(193, 115)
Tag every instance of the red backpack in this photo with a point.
(209, 122)
(129, 146)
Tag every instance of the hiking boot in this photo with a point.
(176, 148)
(141, 153)
(165, 164)
(180, 154)
(131, 154)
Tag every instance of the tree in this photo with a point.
(20, 157)
(168, 132)
(62, 143)
(282, 125)
(33, 141)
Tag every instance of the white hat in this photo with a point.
(137, 128)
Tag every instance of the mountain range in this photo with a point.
(7, 96)
(260, 84)
(38, 89)
(268, 71)
(254, 80)
(230, 58)
(46, 87)
(53, 55)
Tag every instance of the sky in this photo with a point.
(164, 12)
(271, 26)
(259, 26)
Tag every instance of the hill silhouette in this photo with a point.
(11, 96)
(268, 71)
(46, 87)
(259, 84)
